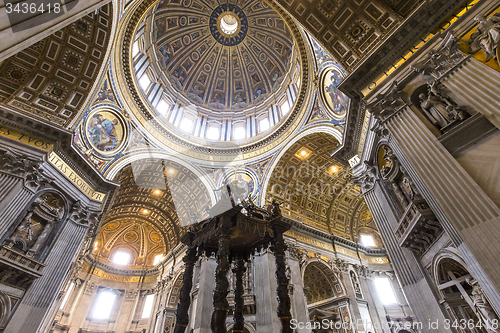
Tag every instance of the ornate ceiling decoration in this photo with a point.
(349, 30)
(153, 196)
(316, 188)
(52, 78)
(320, 283)
(142, 111)
(218, 70)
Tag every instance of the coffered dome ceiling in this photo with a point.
(222, 56)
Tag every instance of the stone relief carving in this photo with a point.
(38, 223)
(387, 104)
(486, 37)
(439, 108)
(302, 255)
(23, 166)
(482, 307)
(367, 178)
(292, 250)
(355, 284)
(441, 59)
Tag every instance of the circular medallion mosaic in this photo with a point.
(332, 97)
(106, 131)
(228, 24)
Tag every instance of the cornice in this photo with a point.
(319, 234)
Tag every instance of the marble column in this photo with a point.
(126, 312)
(265, 289)
(238, 319)
(184, 294)
(82, 310)
(416, 287)
(221, 305)
(478, 85)
(278, 248)
(300, 311)
(353, 303)
(204, 305)
(375, 306)
(464, 210)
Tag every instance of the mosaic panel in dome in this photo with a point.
(52, 78)
(219, 71)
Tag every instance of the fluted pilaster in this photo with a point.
(42, 294)
(417, 288)
(479, 86)
(464, 210)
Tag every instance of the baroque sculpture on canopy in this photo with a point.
(233, 236)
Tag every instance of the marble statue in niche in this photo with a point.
(486, 37)
(439, 108)
(482, 307)
(38, 224)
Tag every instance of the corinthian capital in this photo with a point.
(388, 103)
(16, 163)
(440, 59)
(366, 179)
(81, 215)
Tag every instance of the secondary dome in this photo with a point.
(222, 57)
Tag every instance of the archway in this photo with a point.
(315, 188)
(320, 284)
(459, 290)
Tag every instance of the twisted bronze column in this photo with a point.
(238, 319)
(284, 304)
(181, 314)
(221, 306)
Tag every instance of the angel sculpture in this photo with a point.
(274, 208)
(486, 37)
(440, 60)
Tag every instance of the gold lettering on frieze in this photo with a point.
(339, 249)
(117, 278)
(24, 138)
(69, 173)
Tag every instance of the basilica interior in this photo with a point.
(269, 166)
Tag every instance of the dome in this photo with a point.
(225, 57)
(221, 72)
